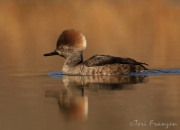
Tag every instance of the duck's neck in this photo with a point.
(73, 59)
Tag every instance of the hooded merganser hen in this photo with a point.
(71, 44)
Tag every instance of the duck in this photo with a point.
(71, 45)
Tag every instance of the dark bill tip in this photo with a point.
(51, 53)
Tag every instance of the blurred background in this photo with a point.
(148, 31)
(145, 30)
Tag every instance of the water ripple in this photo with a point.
(157, 72)
(149, 72)
(56, 74)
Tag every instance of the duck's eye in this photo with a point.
(60, 47)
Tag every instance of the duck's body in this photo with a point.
(103, 65)
(71, 44)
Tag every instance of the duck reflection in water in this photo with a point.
(73, 101)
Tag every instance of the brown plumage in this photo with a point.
(72, 43)
(72, 39)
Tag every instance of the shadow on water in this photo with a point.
(73, 101)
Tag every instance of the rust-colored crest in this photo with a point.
(72, 39)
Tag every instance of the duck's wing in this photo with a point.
(99, 60)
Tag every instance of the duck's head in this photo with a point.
(69, 41)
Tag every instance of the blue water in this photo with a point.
(149, 72)
(56, 74)
(158, 72)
